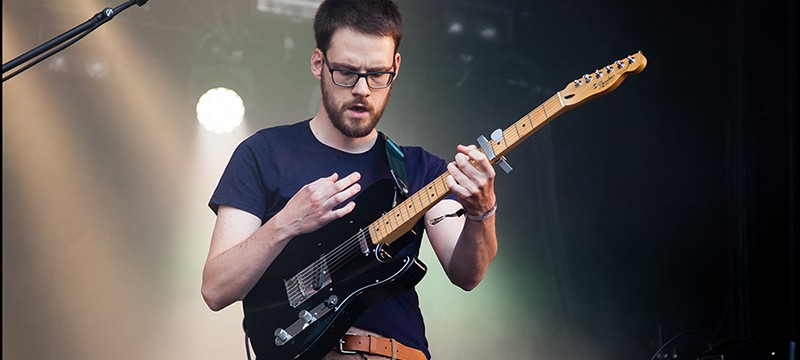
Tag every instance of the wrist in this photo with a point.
(483, 216)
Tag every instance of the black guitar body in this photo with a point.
(319, 285)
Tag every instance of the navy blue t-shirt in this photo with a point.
(270, 166)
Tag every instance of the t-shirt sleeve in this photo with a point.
(241, 185)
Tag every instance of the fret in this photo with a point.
(530, 122)
(387, 222)
(397, 216)
(428, 189)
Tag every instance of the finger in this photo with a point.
(468, 167)
(455, 188)
(343, 195)
(347, 181)
(462, 160)
(466, 149)
(344, 210)
(318, 187)
(461, 179)
(331, 178)
(481, 161)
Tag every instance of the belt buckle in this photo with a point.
(343, 351)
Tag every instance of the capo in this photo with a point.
(497, 135)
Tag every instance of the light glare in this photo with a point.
(220, 110)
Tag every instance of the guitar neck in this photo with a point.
(402, 217)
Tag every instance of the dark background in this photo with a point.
(666, 207)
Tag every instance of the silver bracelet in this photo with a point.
(481, 217)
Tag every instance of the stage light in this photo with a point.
(220, 110)
(455, 28)
(303, 9)
(58, 64)
(479, 24)
(488, 33)
(96, 68)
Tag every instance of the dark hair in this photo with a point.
(374, 17)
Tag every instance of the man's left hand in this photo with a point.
(472, 180)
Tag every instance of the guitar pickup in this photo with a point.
(299, 288)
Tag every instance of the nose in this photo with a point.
(361, 88)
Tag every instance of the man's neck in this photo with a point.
(326, 133)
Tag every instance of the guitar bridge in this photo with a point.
(307, 282)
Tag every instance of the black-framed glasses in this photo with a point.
(349, 78)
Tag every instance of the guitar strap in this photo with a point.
(396, 164)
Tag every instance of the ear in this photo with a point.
(396, 65)
(316, 63)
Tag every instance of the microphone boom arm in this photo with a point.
(79, 31)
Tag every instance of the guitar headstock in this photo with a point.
(603, 80)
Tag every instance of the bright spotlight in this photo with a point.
(220, 110)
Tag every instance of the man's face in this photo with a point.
(355, 111)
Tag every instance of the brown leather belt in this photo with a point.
(375, 345)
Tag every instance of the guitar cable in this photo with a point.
(246, 341)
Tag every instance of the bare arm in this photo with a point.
(242, 249)
(466, 247)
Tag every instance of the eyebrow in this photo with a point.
(355, 69)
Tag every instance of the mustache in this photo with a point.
(359, 103)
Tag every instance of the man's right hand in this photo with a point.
(313, 206)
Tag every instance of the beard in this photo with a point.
(355, 128)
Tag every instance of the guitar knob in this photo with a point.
(282, 336)
(307, 317)
(332, 301)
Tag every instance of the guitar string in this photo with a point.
(343, 253)
(337, 258)
(340, 255)
(308, 274)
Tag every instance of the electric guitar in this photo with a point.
(307, 300)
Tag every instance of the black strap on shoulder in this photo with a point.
(396, 164)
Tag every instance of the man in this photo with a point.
(292, 180)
